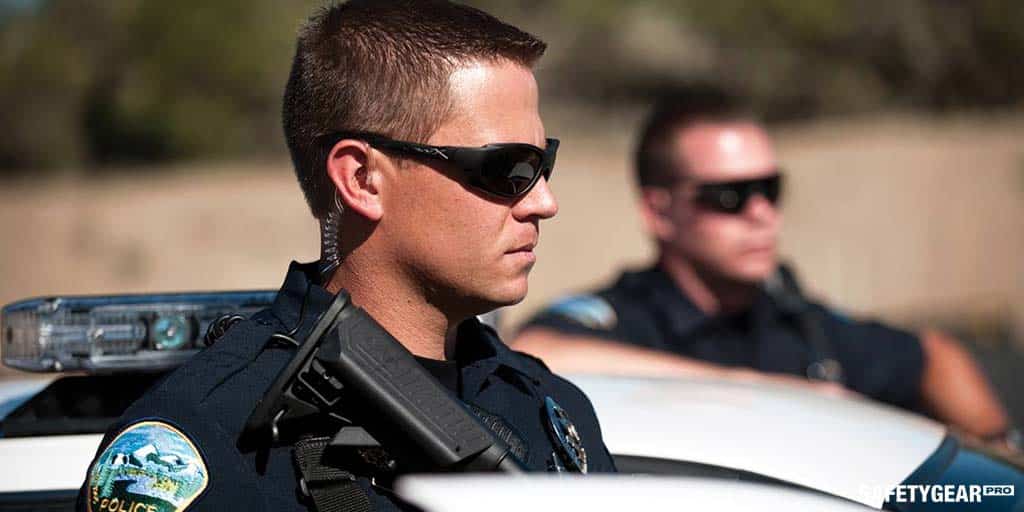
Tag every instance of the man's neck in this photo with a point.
(418, 325)
(712, 295)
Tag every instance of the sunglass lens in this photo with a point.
(510, 171)
(732, 197)
(725, 197)
(550, 152)
(773, 189)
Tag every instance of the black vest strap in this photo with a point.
(785, 291)
(330, 488)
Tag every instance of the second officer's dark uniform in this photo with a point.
(645, 308)
(176, 447)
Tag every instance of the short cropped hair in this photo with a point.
(654, 165)
(384, 66)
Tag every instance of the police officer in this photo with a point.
(414, 131)
(717, 302)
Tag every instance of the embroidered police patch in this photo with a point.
(588, 310)
(149, 467)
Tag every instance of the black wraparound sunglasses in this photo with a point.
(732, 196)
(504, 169)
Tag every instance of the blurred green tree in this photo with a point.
(124, 81)
(90, 84)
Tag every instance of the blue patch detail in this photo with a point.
(839, 315)
(588, 310)
(149, 467)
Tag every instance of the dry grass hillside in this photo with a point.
(900, 217)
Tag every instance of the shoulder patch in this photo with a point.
(588, 310)
(150, 466)
(839, 315)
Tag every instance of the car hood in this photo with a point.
(606, 493)
(15, 391)
(849, 447)
(853, 448)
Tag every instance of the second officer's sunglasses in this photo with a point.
(505, 169)
(732, 196)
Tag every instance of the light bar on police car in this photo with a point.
(116, 333)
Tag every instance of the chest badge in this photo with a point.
(568, 445)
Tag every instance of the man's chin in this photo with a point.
(510, 293)
(753, 272)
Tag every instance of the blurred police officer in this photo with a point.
(717, 301)
(414, 131)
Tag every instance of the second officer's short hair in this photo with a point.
(383, 66)
(653, 158)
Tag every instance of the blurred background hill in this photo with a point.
(142, 148)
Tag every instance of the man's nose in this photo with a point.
(758, 207)
(538, 202)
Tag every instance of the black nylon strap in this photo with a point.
(330, 488)
(503, 430)
(785, 291)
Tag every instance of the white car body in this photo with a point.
(852, 449)
(37, 464)
(51, 463)
(608, 493)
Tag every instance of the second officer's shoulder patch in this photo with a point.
(151, 466)
(591, 311)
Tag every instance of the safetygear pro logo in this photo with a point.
(948, 493)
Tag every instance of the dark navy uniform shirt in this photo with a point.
(647, 309)
(175, 448)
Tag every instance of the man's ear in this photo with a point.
(655, 203)
(349, 165)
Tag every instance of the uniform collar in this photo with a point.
(477, 345)
(679, 314)
(481, 353)
(477, 342)
(673, 307)
(301, 298)
(765, 312)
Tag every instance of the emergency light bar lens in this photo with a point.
(116, 333)
(171, 332)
